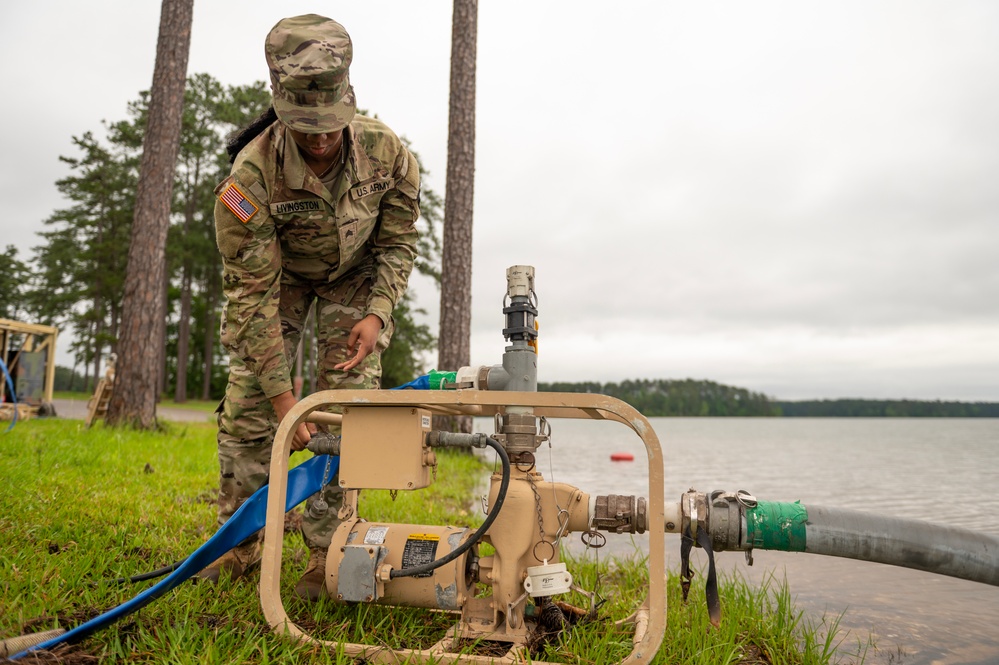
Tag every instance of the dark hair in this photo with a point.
(238, 139)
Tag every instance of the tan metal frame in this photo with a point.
(649, 620)
(48, 335)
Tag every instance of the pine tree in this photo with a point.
(14, 278)
(133, 400)
(456, 272)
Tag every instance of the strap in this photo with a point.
(686, 574)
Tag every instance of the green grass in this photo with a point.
(80, 507)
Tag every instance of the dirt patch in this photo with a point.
(67, 654)
(56, 548)
(483, 648)
(143, 553)
(211, 497)
(753, 655)
(293, 520)
(48, 622)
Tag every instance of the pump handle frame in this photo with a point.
(649, 620)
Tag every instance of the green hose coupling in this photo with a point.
(438, 380)
(773, 525)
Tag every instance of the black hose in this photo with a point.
(424, 568)
(909, 543)
(152, 575)
(403, 572)
(896, 541)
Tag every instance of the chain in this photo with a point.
(543, 426)
(541, 526)
(319, 507)
(537, 505)
(326, 471)
(594, 540)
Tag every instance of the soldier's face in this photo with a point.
(318, 146)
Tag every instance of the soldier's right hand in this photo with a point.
(283, 403)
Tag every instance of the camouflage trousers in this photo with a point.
(247, 421)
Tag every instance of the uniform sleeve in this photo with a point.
(251, 281)
(394, 242)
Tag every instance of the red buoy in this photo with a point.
(622, 457)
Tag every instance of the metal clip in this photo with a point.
(746, 499)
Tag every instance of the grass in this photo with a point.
(81, 507)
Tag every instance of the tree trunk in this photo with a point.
(161, 384)
(211, 322)
(143, 323)
(313, 334)
(87, 345)
(456, 274)
(98, 345)
(183, 333)
(298, 381)
(186, 296)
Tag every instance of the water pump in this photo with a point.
(386, 442)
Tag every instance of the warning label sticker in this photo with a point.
(421, 548)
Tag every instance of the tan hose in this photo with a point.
(14, 645)
(641, 626)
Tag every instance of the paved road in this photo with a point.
(77, 410)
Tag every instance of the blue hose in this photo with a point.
(303, 481)
(420, 383)
(13, 395)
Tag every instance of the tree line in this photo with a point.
(691, 397)
(876, 408)
(75, 279)
(677, 397)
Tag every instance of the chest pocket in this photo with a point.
(306, 228)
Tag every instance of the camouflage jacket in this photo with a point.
(276, 223)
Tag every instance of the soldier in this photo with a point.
(320, 207)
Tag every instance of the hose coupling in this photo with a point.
(324, 443)
(621, 514)
(441, 439)
(722, 515)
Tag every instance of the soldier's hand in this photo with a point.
(362, 340)
(303, 434)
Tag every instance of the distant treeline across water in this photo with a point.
(690, 397)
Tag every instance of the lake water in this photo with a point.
(944, 471)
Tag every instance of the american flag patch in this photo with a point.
(234, 200)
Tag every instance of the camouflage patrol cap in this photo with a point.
(308, 57)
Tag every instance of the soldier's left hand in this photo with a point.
(362, 339)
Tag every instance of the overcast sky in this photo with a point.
(798, 198)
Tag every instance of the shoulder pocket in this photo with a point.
(230, 228)
(409, 180)
(232, 195)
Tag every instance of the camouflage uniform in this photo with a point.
(288, 241)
